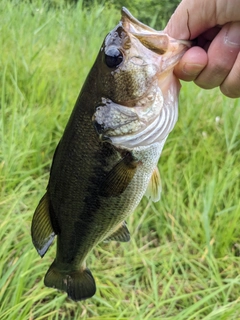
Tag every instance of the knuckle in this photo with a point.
(221, 69)
(205, 83)
(213, 76)
(230, 92)
(230, 87)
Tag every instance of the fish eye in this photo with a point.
(113, 57)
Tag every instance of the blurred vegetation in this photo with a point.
(154, 13)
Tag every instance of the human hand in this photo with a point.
(215, 61)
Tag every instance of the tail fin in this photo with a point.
(79, 285)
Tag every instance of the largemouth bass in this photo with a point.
(107, 157)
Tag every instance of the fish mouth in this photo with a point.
(159, 42)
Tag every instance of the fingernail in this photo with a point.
(192, 69)
(232, 36)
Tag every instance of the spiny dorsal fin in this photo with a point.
(41, 230)
(121, 233)
(119, 177)
(154, 188)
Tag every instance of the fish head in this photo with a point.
(136, 71)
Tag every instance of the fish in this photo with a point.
(107, 158)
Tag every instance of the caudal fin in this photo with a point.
(79, 285)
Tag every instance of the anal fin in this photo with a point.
(121, 233)
(154, 188)
(41, 230)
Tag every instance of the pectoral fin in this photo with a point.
(117, 180)
(154, 188)
(41, 230)
(121, 233)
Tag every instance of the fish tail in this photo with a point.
(79, 284)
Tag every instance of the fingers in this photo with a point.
(222, 53)
(231, 85)
(219, 66)
(191, 64)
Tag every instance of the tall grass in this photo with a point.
(183, 258)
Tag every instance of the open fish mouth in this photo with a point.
(156, 41)
(159, 42)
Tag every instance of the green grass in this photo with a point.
(183, 260)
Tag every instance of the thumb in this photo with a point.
(191, 18)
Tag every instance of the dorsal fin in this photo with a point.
(121, 233)
(154, 188)
(41, 230)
